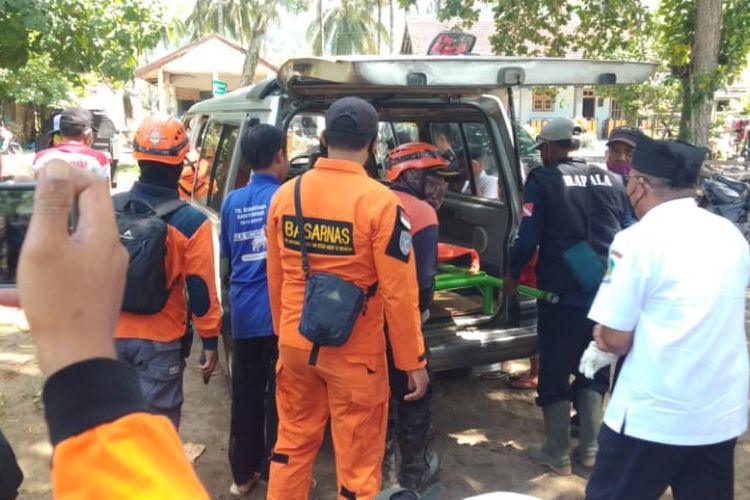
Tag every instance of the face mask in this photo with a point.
(429, 188)
(619, 167)
(434, 190)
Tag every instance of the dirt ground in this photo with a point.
(481, 428)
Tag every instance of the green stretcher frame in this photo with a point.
(450, 277)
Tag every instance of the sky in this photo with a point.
(287, 36)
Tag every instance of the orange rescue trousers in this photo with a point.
(353, 391)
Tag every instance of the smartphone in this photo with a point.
(16, 205)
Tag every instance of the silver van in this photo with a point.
(467, 99)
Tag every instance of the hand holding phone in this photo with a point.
(71, 285)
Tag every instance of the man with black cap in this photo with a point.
(344, 232)
(673, 299)
(571, 212)
(76, 128)
(620, 147)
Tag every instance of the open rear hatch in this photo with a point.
(462, 75)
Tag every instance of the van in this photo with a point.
(469, 100)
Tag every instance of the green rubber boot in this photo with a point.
(590, 410)
(555, 452)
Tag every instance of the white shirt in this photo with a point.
(78, 155)
(678, 279)
(486, 186)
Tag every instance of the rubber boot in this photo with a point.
(389, 459)
(589, 404)
(555, 452)
(419, 465)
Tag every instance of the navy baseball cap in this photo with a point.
(352, 116)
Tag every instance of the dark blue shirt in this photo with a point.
(243, 241)
(554, 217)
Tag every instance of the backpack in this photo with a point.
(143, 232)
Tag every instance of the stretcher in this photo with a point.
(452, 277)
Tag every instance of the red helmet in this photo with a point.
(161, 140)
(416, 155)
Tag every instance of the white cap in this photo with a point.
(558, 129)
(56, 123)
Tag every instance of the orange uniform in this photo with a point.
(356, 229)
(189, 258)
(106, 446)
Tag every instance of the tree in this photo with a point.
(244, 20)
(104, 37)
(348, 28)
(683, 40)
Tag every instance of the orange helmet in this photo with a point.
(416, 155)
(161, 140)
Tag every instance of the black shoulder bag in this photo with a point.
(332, 304)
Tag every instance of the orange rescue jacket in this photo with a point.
(356, 229)
(106, 444)
(190, 256)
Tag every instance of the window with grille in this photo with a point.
(543, 100)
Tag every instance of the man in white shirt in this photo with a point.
(673, 299)
(487, 186)
(76, 126)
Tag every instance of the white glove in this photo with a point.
(594, 359)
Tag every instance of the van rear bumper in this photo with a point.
(451, 349)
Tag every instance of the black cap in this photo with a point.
(74, 121)
(676, 161)
(352, 116)
(626, 135)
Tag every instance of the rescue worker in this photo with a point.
(571, 212)
(195, 178)
(243, 244)
(152, 343)
(354, 228)
(106, 442)
(417, 173)
(76, 129)
(674, 301)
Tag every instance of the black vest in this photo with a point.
(581, 202)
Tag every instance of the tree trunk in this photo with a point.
(699, 87)
(257, 36)
(320, 29)
(390, 28)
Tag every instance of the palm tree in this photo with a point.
(244, 20)
(232, 18)
(347, 28)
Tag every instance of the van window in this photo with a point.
(472, 145)
(207, 144)
(303, 134)
(392, 134)
(483, 160)
(222, 162)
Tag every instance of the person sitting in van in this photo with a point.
(487, 186)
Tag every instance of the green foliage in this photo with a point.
(349, 27)
(35, 83)
(538, 27)
(18, 19)
(619, 29)
(78, 37)
(238, 17)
